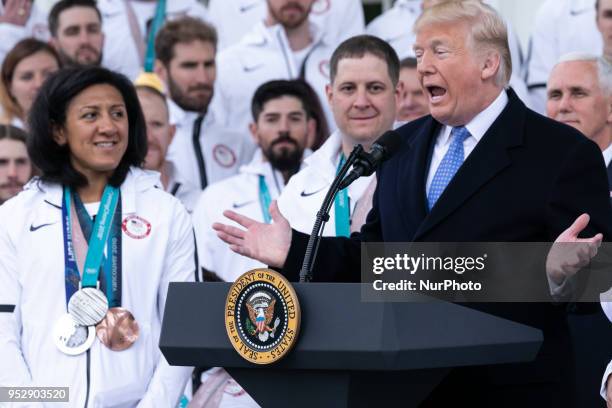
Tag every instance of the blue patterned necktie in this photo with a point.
(452, 160)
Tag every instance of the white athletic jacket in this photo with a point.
(305, 191)
(120, 51)
(32, 280)
(263, 55)
(239, 193)
(234, 18)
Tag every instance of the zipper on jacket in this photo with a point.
(287, 63)
(88, 353)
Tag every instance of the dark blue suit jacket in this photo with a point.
(527, 180)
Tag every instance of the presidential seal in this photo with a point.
(262, 316)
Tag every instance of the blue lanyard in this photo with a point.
(107, 221)
(342, 209)
(71, 271)
(158, 21)
(264, 199)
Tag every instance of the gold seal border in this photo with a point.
(293, 323)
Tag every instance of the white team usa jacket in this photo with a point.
(223, 149)
(157, 248)
(233, 18)
(560, 27)
(305, 191)
(239, 193)
(120, 52)
(263, 55)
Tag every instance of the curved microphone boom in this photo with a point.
(367, 163)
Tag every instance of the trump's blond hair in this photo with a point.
(487, 29)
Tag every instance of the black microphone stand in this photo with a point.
(323, 216)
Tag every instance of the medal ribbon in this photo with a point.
(71, 271)
(342, 209)
(98, 237)
(264, 199)
(110, 280)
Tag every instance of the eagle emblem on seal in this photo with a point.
(261, 312)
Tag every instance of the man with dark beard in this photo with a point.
(281, 128)
(283, 45)
(202, 151)
(76, 32)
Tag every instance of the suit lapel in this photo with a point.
(489, 157)
(610, 176)
(413, 174)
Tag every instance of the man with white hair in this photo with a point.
(481, 168)
(579, 94)
(560, 26)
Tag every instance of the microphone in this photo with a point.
(367, 163)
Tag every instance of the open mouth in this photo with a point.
(436, 93)
(569, 121)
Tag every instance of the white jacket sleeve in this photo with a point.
(168, 382)
(543, 54)
(353, 22)
(605, 380)
(205, 235)
(10, 34)
(15, 371)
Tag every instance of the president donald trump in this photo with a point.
(481, 168)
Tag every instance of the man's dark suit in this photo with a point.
(526, 180)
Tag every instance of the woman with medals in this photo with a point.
(88, 249)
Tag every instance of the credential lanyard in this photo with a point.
(264, 199)
(342, 209)
(98, 238)
(158, 21)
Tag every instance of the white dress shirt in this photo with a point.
(477, 128)
(607, 154)
(607, 308)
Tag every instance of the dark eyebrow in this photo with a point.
(578, 89)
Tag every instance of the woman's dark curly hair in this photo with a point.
(48, 114)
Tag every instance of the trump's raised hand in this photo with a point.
(267, 243)
(569, 253)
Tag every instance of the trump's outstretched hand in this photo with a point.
(267, 243)
(569, 253)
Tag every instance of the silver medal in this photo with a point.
(88, 306)
(71, 338)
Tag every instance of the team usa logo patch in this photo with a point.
(224, 156)
(262, 316)
(136, 227)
